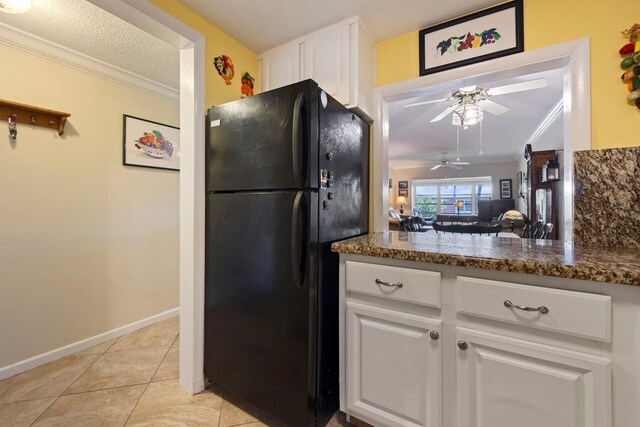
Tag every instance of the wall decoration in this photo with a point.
(390, 183)
(403, 185)
(505, 189)
(247, 85)
(404, 193)
(224, 65)
(630, 53)
(150, 144)
(480, 36)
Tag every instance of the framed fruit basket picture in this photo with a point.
(150, 144)
(480, 36)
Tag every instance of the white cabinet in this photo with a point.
(502, 354)
(504, 382)
(327, 60)
(341, 58)
(279, 67)
(393, 367)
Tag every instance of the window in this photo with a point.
(438, 196)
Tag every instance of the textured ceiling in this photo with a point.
(414, 141)
(261, 25)
(85, 28)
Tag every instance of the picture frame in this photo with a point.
(403, 185)
(404, 193)
(505, 189)
(390, 183)
(488, 34)
(150, 144)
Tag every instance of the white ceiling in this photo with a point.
(85, 28)
(414, 141)
(262, 25)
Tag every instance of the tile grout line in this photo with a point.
(136, 405)
(60, 395)
(148, 383)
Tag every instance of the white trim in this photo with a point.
(33, 44)
(572, 57)
(157, 22)
(50, 356)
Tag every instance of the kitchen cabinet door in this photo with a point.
(506, 382)
(327, 60)
(393, 367)
(280, 66)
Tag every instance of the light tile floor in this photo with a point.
(131, 380)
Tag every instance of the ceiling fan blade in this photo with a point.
(436, 167)
(444, 113)
(460, 163)
(433, 101)
(452, 166)
(518, 87)
(492, 107)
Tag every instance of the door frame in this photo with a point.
(574, 60)
(191, 44)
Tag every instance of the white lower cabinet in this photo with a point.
(507, 382)
(393, 367)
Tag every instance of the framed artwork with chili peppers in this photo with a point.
(480, 36)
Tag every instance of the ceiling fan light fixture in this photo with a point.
(15, 6)
(467, 115)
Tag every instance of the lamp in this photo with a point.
(15, 6)
(467, 114)
(401, 201)
(512, 215)
(551, 171)
(458, 205)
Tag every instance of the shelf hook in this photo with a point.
(12, 120)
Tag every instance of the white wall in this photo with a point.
(497, 171)
(86, 244)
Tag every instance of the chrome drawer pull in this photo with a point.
(542, 309)
(395, 285)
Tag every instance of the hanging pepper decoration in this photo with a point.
(631, 64)
(224, 65)
(12, 120)
(247, 85)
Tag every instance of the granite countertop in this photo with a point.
(529, 256)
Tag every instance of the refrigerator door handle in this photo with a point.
(295, 137)
(296, 249)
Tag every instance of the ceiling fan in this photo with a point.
(444, 163)
(469, 102)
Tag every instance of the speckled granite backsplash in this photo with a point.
(607, 198)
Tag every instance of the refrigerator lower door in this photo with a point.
(260, 300)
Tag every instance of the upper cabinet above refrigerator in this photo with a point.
(341, 58)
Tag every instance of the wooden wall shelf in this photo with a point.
(30, 115)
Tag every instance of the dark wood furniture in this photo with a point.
(454, 218)
(535, 162)
(467, 228)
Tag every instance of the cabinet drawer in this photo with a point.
(418, 286)
(574, 313)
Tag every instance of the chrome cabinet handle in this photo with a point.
(462, 345)
(542, 309)
(434, 335)
(398, 285)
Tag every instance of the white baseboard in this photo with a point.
(50, 356)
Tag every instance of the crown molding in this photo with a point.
(33, 44)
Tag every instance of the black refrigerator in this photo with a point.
(287, 175)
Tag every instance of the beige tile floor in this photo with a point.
(131, 380)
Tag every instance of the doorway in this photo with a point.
(571, 60)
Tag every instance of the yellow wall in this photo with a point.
(217, 43)
(86, 244)
(548, 22)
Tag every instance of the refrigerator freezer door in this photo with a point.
(265, 142)
(260, 299)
